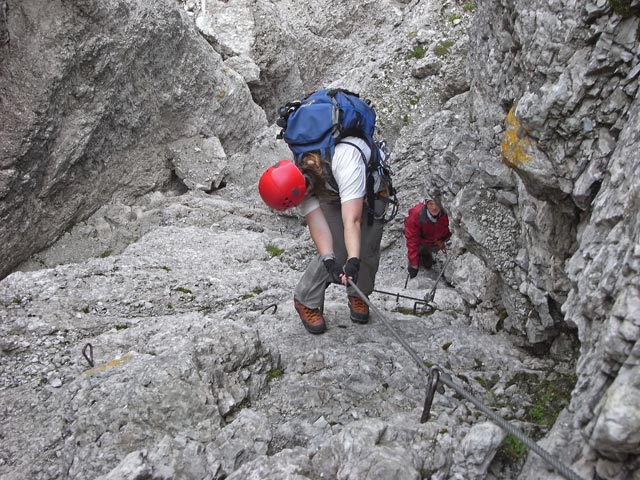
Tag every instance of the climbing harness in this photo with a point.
(436, 375)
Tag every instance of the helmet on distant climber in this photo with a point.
(282, 185)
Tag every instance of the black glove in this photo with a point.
(334, 270)
(351, 269)
(412, 271)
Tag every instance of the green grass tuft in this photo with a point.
(274, 373)
(512, 449)
(488, 383)
(406, 311)
(253, 293)
(425, 473)
(623, 8)
(274, 251)
(442, 48)
(548, 397)
(417, 52)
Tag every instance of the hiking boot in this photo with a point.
(358, 309)
(312, 318)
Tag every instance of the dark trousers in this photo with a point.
(425, 254)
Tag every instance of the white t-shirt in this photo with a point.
(348, 169)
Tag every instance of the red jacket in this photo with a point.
(419, 231)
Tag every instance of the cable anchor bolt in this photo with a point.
(432, 386)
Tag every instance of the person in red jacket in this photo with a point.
(426, 228)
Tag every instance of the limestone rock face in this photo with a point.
(521, 116)
(478, 449)
(91, 94)
(566, 78)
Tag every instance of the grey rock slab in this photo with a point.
(179, 381)
(228, 26)
(245, 67)
(135, 465)
(288, 464)
(247, 437)
(477, 450)
(473, 280)
(199, 162)
(426, 68)
(367, 449)
(615, 429)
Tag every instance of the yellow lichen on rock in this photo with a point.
(111, 364)
(514, 142)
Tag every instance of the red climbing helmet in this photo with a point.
(282, 186)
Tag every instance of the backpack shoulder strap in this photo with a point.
(362, 155)
(370, 195)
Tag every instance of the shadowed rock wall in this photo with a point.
(91, 93)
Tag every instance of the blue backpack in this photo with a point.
(321, 120)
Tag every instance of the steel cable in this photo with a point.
(445, 378)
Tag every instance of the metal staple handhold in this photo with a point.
(432, 386)
(274, 306)
(89, 357)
